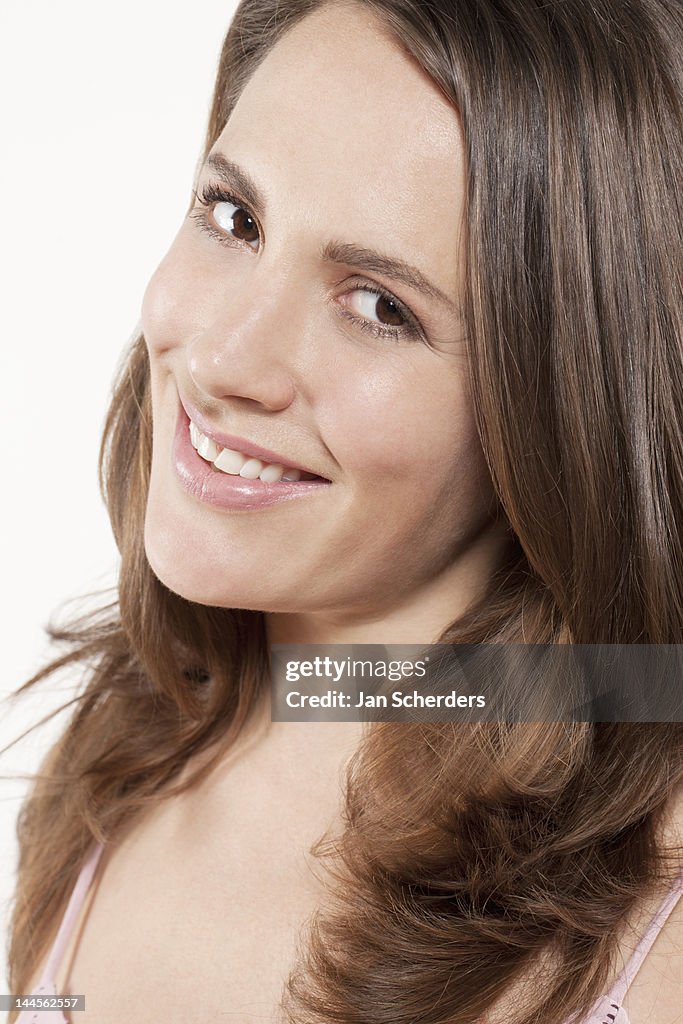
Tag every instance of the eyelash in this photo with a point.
(212, 194)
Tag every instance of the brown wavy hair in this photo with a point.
(495, 847)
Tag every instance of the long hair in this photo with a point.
(470, 853)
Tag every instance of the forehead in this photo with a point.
(344, 123)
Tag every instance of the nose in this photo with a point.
(251, 347)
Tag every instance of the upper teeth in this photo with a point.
(237, 464)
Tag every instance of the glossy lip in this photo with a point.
(222, 490)
(240, 444)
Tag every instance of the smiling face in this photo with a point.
(266, 319)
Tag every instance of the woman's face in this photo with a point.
(285, 316)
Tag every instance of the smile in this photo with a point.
(240, 482)
(234, 463)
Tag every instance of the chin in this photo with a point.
(193, 586)
(185, 573)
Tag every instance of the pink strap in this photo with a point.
(71, 915)
(623, 982)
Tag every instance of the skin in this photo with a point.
(254, 334)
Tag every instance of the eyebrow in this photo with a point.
(335, 251)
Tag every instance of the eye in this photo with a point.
(236, 219)
(370, 302)
(225, 216)
(380, 313)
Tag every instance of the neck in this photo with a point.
(418, 616)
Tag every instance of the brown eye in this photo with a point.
(388, 312)
(236, 220)
(377, 307)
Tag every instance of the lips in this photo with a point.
(242, 444)
(210, 486)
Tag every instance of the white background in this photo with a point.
(104, 109)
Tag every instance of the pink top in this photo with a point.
(607, 1009)
(47, 985)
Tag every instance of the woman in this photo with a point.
(428, 292)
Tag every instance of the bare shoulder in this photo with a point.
(656, 994)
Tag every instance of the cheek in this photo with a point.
(159, 312)
(412, 430)
(171, 305)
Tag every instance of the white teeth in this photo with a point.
(251, 469)
(236, 464)
(229, 461)
(207, 448)
(271, 474)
